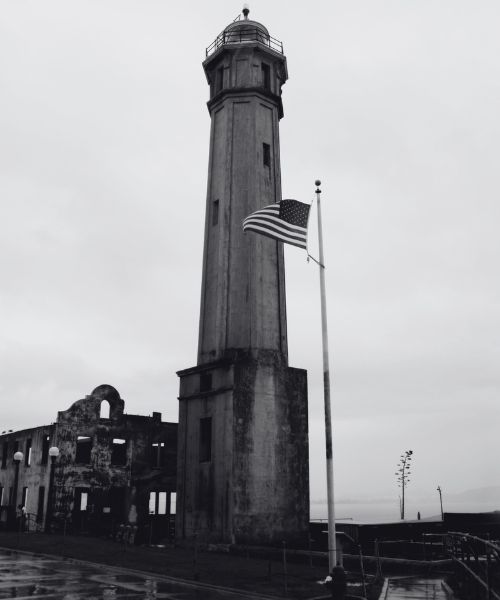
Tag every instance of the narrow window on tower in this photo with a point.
(266, 76)
(206, 439)
(215, 212)
(205, 382)
(266, 155)
(219, 79)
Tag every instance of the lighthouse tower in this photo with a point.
(243, 440)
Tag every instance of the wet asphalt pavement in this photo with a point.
(30, 576)
(415, 588)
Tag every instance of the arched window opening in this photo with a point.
(104, 414)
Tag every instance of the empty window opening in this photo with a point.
(27, 454)
(205, 382)
(219, 79)
(157, 503)
(157, 454)
(83, 449)
(173, 503)
(5, 453)
(24, 499)
(162, 503)
(266, 76)
(11, 495)
(152, 503)
(45, 449)
(105, 408)
(41, 500)
(84, 499)
(215, 212)
(116, 502)
(206, 439)
(119, 452)
(266, 155)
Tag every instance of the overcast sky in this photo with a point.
(394, 105)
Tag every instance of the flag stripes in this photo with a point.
(285, 221)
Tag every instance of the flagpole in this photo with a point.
(333, 557)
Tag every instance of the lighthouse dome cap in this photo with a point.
(245, 30)
(246, 26)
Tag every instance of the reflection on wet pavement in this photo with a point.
(415, 588)
(23, 576)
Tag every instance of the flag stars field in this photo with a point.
(285, 221)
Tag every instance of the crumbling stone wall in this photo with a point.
(33, 473)
(99, 484)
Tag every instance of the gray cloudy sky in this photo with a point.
(103, 162)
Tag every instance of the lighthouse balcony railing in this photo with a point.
(248, 34)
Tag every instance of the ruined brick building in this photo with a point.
(112, 468)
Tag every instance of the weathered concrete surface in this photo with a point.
(26, 576)
(254, 488)
(243, 288)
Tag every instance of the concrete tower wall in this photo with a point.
(255, 487)
(243, 437)
(243, 293)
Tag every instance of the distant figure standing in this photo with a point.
(21, 516)
(339, 583)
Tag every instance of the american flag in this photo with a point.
(285, 221)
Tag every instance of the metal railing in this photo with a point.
(244, 34)
(479, 558)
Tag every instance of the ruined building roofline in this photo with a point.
(17, 432)
(149, 417)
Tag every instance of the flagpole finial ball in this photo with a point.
(317, 182)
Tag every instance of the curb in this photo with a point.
(384, 590)
(447, 589)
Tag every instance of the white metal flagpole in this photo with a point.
(333, 557)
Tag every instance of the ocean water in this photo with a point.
(388, 511)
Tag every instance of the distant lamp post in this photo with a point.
(53, 453)
(18, 457)
(441, 501)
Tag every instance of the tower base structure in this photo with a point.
(243, 452)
